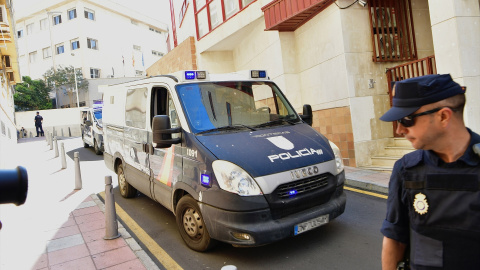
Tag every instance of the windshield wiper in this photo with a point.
(277, 122)
(232, 127)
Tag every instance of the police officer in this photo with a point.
(38, 124)
(433, 206)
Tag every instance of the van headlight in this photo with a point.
(234, 179)
(338, 157)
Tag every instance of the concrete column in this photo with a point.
(456, 39)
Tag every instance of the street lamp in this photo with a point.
(76, 87)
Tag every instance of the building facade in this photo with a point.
(102, 38)
(338, 56)
(9, 76)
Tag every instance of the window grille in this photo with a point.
(393, 36)
(209, 14)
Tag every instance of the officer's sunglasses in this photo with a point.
(409, 121)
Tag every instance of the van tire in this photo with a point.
(85, 145)
(191, 225)
(98, 151)
(126, 190)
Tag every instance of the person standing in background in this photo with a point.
(38, 124)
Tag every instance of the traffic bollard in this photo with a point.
(64, 160)
(48, 139)
(51, 141)
(62, 132)
(78, 176)
(69, 132)
(56, 146)
(111, 225)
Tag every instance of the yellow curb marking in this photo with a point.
(367, 192)
(159, 253)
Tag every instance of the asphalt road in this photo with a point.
(352, 241)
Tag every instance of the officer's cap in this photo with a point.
(411, 94)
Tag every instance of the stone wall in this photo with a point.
(183, 57)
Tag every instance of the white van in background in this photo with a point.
(226, 153)
(92, 128)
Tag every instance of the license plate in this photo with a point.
(310, 224)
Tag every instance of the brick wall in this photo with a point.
(336, 125)
(182, 57)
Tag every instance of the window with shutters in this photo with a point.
(393, 35)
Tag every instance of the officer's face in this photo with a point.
(425, 133)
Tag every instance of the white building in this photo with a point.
(104, 39)
(336, 55)
(8, 78)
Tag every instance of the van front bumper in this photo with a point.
(260, 226)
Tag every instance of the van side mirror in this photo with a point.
(162, 133)
(307, 114)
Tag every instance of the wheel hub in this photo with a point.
(192, 223)
(121, 181)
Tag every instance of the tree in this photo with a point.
(63, 79)
(31, 95)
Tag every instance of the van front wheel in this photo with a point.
(126, 190)
(96, 147)
(191, 225)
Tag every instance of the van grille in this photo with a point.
(302, 186)
(310, 192)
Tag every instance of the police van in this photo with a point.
(92, 128)
(226, 153)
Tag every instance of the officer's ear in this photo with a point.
(446, 115)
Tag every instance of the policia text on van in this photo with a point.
(226, 153)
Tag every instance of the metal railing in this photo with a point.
(420, 67)
(417, 68)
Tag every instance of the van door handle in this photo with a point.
(147, 148)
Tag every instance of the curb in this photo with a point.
(367, 185)
(131, 242)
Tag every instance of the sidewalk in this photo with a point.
(62, 228)
(59, 227)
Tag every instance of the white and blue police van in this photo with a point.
(92, 128)
(226, 153)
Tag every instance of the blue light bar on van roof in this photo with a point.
(192, 75)
(258, 74)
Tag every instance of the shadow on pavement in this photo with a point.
(82, 154)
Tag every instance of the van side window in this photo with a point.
(135, 105)
(162, 104)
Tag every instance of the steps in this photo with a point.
(392, 153)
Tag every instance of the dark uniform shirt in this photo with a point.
(38, 120)
(434, 207)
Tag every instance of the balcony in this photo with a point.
(288, 15)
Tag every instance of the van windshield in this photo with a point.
(98, 115)
(222, 106)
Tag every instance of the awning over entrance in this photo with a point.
(288, 15)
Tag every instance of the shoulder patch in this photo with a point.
(412, 159)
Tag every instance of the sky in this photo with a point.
(157, 9)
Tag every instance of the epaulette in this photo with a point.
(413, 159)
